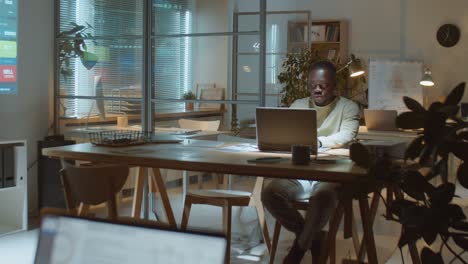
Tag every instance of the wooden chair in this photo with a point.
(92, 185)
(227, 199)
(210, 92)
(199, 124)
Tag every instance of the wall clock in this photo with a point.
(448, 35)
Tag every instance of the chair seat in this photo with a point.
(221, 194)
(218, 197)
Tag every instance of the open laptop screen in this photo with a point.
(80, 241)
(382, 120)
(280, 128)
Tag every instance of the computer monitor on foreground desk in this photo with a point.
(73, 240)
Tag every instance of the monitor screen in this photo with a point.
(80, 241)
(8, 27)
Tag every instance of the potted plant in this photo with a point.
(294, 74)
(73, 45)
(189, 96)
(425, 211)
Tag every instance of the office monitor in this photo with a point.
(64, 239)
(280, 128)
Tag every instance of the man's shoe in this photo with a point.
(295, 254)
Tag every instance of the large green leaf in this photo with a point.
(410, 120)
(442, 195)
(360, 155)
(430, 257)
(429, 237)
(460, 225)
(462, 174)
(461, 241)
(414, 149)
(434, 124)
(460, 149)
(449, 110)
(89, 60)
(408, 236)
(415, 185)
(455, 95)
(397, 206)
(455, 213)
(463, 135)
(413, 104)
(435, 106)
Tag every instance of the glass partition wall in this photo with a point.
(134, 63)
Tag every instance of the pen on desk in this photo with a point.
(269, 158)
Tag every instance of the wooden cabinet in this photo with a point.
(329, 38)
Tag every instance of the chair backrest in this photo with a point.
(201, 125)
(93, 184)
(210, 92)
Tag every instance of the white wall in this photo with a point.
(26, 115)
(398, 29)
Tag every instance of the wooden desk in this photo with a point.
(186, 157)
(365, 134)
(158, 116)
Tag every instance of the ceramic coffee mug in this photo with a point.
(300, 154)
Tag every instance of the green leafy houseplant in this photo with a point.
(189, 96)
(426, 211)
(73, 45)
(294, 74)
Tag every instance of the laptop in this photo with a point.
(279, 128)
(73, 240)
(382, 120)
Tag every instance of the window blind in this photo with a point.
(115, 29)
(172, 58)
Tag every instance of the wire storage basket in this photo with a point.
(118, 138)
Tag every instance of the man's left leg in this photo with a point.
(322, 203)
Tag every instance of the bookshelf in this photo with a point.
(329, 38)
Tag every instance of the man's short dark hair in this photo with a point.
(324, 65)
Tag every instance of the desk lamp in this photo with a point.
(355, 67)
(426, 81)
(427, 78)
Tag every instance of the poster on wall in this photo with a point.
(390, 80)
(8, 46)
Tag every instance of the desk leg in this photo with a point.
(256, 201)
(185, 180)
(164, 197)
(138, 195)
(373, 212)
(328, 249)
(368, 238)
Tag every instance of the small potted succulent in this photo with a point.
(189, 96)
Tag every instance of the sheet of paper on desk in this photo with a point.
(204, 143)
(240, 148)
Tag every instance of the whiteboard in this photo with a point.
(390, 80)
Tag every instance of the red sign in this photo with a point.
(7, 73)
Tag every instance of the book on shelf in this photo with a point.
(331, 54)
(317, 33)
(333, 33)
